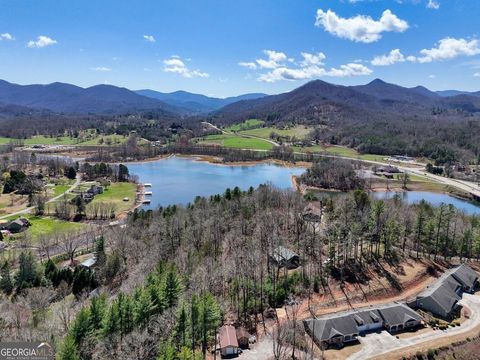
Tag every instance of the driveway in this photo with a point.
(374, 345)
(262, 350)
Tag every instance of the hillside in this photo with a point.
(67, 98)
(319, 100)
(196, 102)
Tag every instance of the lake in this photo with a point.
(178, 180)
(435, 199)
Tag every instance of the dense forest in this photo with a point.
(168, 280)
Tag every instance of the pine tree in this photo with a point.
(81, 326)
(100, 255)
(5, 278)
(209, 312)
(181, 327)
(98, 308)
(68, 350)
(143, 308)
(27, 275)
(111, 323)
(167, 352)
(172, 288)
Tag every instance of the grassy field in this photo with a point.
(237, 142)
(45, 226)
(115, 194)
(340, 151)
(298, 131)
(246, 125)
(94, 140)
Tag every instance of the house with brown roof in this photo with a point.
(228, 341)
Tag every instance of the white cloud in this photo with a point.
(6, 36)
(477, 74)
(249, 65)
(432, 76)
(360, 28)
(101, 69)
(446, 49)
(449, 48)
(311, 66)
(149, 38)
(274, 59)
(432, 4)
(393, 57)
(176, 65)
(42, 41)
(312, 59)
(350, 69)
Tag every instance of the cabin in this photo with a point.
(16, 226)
(441, 298)
(95, 190)
(344, 327)
(284, 257)
(243, 338)
(228, 341)
(312, 214)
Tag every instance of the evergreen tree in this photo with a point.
(181, 327)
(5, 278)
(167, 352)
(144, 308)
(27, 274)
(98, 308)
(71, 173)
(111, 323)
(81, 326)
(100, 255)
(209, 316)
(68, 350)
(172, 288)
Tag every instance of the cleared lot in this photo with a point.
(375, 345)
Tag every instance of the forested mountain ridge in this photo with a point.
(196, 102)
(66, 98)
(318, 100)
(377, 118)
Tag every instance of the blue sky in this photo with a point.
(227, 47)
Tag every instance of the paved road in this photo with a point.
(274, 143)
(467, 186)
(384, 343)
(31, 208)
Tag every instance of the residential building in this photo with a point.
(345, 327)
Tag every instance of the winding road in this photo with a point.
(78, 179)
(467, 186)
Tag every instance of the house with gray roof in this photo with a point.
(284, 257)
(344, 327)
(442, 297)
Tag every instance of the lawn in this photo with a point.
(341, 151)
(93, 140)
(115, 194)
(298, 131)
(237, 142)
(46, 226)
(246, 125)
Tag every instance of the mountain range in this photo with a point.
(313, 101)
(196, 103)
(319, 100)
